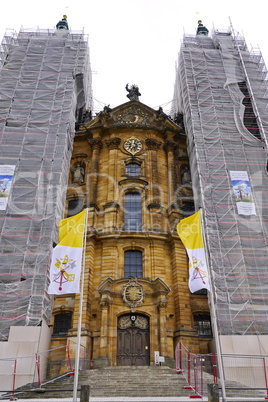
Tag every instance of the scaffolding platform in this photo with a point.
(40, 88)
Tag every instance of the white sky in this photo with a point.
(137, 41)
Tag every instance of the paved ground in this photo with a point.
(119, 399)
(129, 399)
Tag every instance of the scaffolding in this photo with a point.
(45, 78)
(222, 90)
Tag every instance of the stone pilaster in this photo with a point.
(153, 146)
(154, 195)
(111, 210)
(111, 207)
(170, 148)
(104, 304)
(162, 305)
(96, 145)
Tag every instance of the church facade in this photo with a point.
(130, 169)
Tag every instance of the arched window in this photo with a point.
(62, 323)
(133, 169)
(133, 209)
(133, 264)
(74, 206)
(202, 324)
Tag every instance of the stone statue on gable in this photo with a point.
(133, 92)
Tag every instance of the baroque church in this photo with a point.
(130, 168)
(138, 174)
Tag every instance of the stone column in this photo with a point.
(154, 205)
(111, 207)
(92, 182)
(169, 148)
(96, 145)
(113, 145)
(162, 305)
(172, 211)
(103, 358)
(153, 146)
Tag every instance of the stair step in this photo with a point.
(124, 382)
(117, 381)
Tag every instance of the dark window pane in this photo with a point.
(133, 217)
(75, 206)
(62, 324)
(203, 325)
(133, 169)
(133, 263)
(201, 292)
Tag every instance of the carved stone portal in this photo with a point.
(133, 294)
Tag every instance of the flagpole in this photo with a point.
(213, 315)
(77, 354)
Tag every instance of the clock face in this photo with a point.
(132, 145)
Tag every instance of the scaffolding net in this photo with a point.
(222, 91)
(45, 79)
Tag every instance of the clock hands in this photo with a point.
(133, 145)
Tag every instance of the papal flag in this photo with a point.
(190, 232)
(66, 261)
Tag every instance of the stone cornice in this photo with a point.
(132, 182)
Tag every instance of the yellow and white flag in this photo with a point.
(66, 261)
(190, 232)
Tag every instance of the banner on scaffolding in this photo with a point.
(190, 232)
(6, 177)
(66, 261)
(242, 193)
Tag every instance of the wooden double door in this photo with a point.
(133, 340)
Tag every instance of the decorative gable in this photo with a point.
(133, 114)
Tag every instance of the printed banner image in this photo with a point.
(191, 235)
(6, 177)
(242, 193)
(198, 272)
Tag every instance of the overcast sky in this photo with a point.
(137, 41)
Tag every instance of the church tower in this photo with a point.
(221, 90)
(45, 84)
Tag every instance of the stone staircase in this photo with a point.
(112, 382)
(115, 382)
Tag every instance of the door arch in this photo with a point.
(133, 340)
